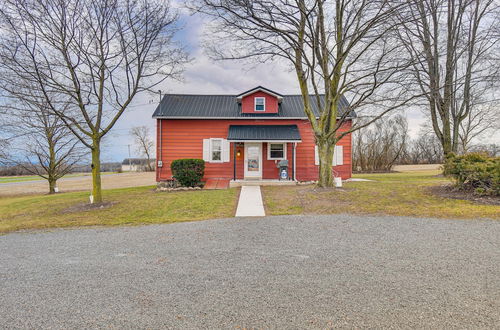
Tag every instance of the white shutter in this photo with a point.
(338, 156)
(206, 150)
(226, 147)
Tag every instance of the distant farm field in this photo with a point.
(25, 185)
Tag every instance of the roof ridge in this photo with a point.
(234, 95)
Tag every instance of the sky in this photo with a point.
(204, 76)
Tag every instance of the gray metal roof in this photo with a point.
(226, 106)
(263, 133)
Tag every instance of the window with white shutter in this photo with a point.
(338, 156)
(216, 150)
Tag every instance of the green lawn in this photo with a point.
(405, 194)
(130, 206)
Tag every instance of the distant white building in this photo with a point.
(137, 164)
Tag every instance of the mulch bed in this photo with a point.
(88, 207)
(448, 191)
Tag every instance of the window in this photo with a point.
(216, 149)
(260, 104)
(338, 156)
(276, 151)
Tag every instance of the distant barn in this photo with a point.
(137, 164)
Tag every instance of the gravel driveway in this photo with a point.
(271, 272)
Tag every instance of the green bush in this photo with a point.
(475, 172)
(188, 172)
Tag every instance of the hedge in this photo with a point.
(475, 172)
(188, 172)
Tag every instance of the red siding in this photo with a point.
(248, 103)
(184, 139)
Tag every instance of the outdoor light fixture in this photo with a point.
(238, 153)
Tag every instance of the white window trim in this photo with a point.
(221, 150)
(269, 151)
(255, 103)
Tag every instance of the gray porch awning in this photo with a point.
(282, 133)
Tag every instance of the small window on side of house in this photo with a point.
(260, 104)
(276, 151)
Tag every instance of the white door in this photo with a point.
(253, 160)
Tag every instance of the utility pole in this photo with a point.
(129, 160)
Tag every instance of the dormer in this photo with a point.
(259, 100)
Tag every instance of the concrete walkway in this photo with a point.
(250, 203)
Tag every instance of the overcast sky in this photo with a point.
(203, 76)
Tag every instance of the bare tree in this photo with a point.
(39, 142)
(3, 151)
(144, 144)
(378, 147)
(493, 149)
(425, 149)
(454, 49)
(98, 53)
(479, 121)
(337, 48)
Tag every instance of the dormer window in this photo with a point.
(260, 104)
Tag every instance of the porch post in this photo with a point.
(293, 160)
(234, 161)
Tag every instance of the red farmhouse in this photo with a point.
(244, 137)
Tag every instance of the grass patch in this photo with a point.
(405, 194)
(127, 206)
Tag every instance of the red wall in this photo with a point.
(183, 138)
(248, 103)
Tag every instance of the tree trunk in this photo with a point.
(149, 167)
(446, 141)
(52, 165)
(325, 154)
(96, 171)
(52, 185)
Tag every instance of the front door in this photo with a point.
(253, 160)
